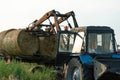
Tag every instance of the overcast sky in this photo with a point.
(19, 13)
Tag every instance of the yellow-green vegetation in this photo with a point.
(21, 71)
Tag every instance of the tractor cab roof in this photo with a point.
(92, 29)
(99, 29)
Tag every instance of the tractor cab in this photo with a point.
(85, 40)
(91, 39)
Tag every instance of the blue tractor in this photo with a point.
(88, 53)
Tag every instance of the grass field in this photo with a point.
(21, 71)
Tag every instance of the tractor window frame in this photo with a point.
(113, 42)
(70, 42)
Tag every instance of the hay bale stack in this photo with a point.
(18, 42)
(48, 46)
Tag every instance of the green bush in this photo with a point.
(20, 71)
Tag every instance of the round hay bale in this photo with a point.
(2, 35)
(48, 46)
(20, 42)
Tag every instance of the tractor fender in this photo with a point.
(86, 59)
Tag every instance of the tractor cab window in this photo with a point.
(71, 42)
(66, 42)
(100, 43)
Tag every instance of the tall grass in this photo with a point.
(20, 71)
